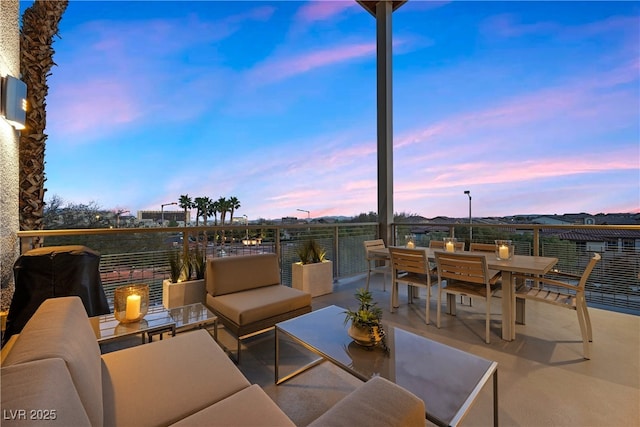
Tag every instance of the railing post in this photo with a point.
(335, 251)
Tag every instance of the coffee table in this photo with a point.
(194, 316)
(156, 321)
(448, 380)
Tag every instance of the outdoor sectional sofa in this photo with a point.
(54, 374)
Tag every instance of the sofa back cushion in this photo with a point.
(60, 328)
(40, 392)
(239, 273)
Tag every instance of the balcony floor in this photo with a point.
(543, 379)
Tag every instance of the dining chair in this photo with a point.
(556, 289)
(465, 274)
(410, 266)
(373, 261)
(439, 244)
(482, 247)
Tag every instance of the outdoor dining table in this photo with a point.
(524, 264)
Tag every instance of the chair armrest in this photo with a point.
(547, 281)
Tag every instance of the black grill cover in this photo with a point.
(55, 271)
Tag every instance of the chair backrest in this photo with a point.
(409, 260)
(373, 244)
(439, 244)
(587, 271)
(482, 247)
(462, 266)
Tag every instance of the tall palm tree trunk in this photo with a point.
(39, 26)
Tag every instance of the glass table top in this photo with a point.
(445, 378)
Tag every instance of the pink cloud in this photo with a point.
(322, 10)
(274, 70)
(93, 106)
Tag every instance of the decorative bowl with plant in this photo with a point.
(366, 321)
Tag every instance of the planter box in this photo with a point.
(316, 279)
(182, 293)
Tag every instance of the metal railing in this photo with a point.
(141, 255)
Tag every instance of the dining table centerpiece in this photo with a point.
(366, 321)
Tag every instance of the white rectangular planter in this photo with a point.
(316, 279)
(182, 293)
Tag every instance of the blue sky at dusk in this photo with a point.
(532, 106)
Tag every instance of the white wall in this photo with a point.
(9, 219)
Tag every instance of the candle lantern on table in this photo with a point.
(504, 249)
(410, 241)
(131, 303)
(450, 244)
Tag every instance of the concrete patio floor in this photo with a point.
(543, 379)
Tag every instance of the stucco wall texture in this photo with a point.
(9, 139)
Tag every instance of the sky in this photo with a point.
(531, 106)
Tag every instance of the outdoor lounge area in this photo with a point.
(543, 378)
(542, 375)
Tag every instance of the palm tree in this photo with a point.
(215, 208)
(223, 208)
(202, 205)
(234, 204)
(198, 203)
(39, 26)
(185, 203)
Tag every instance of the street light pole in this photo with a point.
(468, 193)
(246, 230)
(308, 213)
(162, 211)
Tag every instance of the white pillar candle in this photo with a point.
(410, 244)
(504, 252)
(133, 307)
(449, 247)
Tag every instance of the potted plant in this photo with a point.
(313, 273)
(186, 283)
(366, 327)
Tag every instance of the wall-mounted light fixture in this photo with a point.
(13, 101)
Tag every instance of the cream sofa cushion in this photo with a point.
(378, 402)
(40, 393)
(258, 304)
(251, 407)
(60, 329)
(230, 274)
(164, 381)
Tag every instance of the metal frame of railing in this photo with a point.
(133, 255)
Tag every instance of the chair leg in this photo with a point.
(426, 314)
(438, 306)
(487, 328)
(583, 330)
(368, 276)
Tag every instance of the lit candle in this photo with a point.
(410, 244)
(449, 247)
(133, 307)
(504, 252)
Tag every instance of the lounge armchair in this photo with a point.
(246, 294)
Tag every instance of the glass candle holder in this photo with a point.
(504, 249)
(450, 244)
(130, 303)
(410, 241)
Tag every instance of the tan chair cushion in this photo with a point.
(254, 305)
(378, 402)
(251, 407)
(40, 393)
(239, 273)
(60, 328)
(164, 381)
